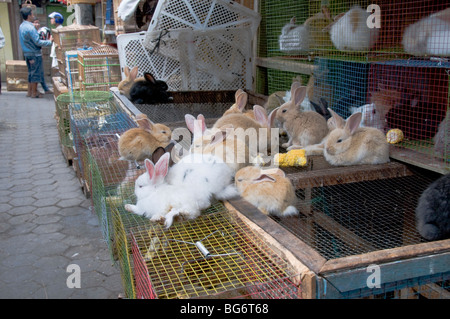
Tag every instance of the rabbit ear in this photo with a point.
(274, 171)
(126, 70)
(271, 119)
(239, 91)
(190, 120)
(162, 167)
(299, 95)
(263, 178)
(339, 121)
(149, 78)
(218, 137)
(133, 73)
(353, 122)
(146, 125)
(260, 114)
(241, 100)
(150, 167)
(293, 20)
(295, 85)
(202, 122)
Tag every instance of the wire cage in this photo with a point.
(400, 81)
(158, 263)
(73, 37)
(342, 220)
(99, 68)
(95, 119)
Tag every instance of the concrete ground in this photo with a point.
(48, 233)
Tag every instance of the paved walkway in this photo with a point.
(45, 221)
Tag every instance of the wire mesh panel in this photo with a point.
(387, 60)
(99, 68)
(133, 53)
(95, 119)
(341, 219)
(214, 255)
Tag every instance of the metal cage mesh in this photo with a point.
(393, 82)
(233, 261)
(344, 219)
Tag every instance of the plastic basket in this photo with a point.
(203, 15)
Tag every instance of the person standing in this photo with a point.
(44, 85)
(31, 47)
(57, 20)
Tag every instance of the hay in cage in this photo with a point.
(214, 255)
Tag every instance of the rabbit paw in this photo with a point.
(158, 219)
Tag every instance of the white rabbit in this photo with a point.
(189, 189)
(371, 117)
(294, 38)
(349, 32)
(429, 36)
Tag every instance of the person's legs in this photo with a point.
(35, 75)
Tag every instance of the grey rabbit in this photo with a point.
(433, 210)
(150, 91)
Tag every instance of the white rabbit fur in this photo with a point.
(187, 188)
(350, 144)
(351, 33)
(294, 38)
(429, 36)
(371, 117)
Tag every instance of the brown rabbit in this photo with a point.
(268, 190)
(239, 105)
(139, 143)
(125, 85)
(252, 129)
(303, 128)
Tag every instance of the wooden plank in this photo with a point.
(286, 65)
(432, 291)
(285, 239)
(385, 256)
(348, 174)
(396, 271)
(419, 159)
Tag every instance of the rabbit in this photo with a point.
(433, 210)
(160, 201)
(125, 85)
(269, 190)
(256, 133)
(239, 105)
(350, 144)
(294, 39)
(429, 35)
(349, 31)
(150, 91)
(370, 116)
(442, 138)
(322, 108)
(298, 39)
(414, 117)
(139, 143)
(303, 128)
(220, 142)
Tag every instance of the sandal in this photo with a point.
(39, 95)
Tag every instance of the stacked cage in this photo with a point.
(72, 38)
(386, 60)
(99, 68)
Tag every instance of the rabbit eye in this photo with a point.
(239, 180)
(283, 111)
(339, 140)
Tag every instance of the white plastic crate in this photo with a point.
(133, 53)
(189, 60)
(203, 15)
